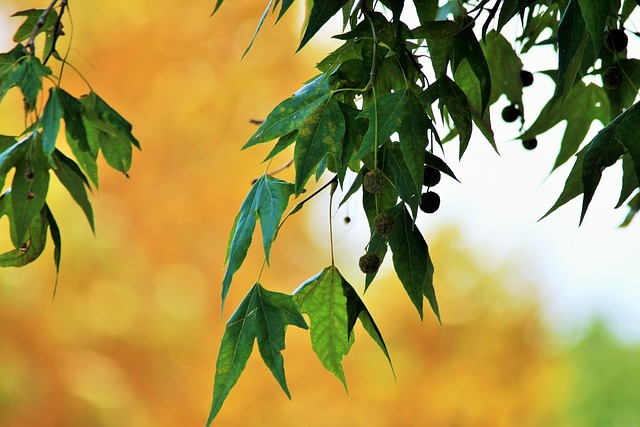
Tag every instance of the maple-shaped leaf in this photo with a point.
(333, 307)
(616, 140)
(314, 118)
(287, 116)
(262, 315)
(584, 104)
(411, 259)
(26, 73)
(267, 202)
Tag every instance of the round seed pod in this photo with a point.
(429, 202)
(369, 263)
(612, 78)
(383, 224)
(510, 113)
(431, 176)
(530, 144)
(616, 40)
(526, 77)
(374, 182)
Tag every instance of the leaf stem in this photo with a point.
(374, 35)
(299, 205)
(334, 183)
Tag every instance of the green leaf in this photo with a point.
(508, 10)
(322, 299)
(411, 260)
(623, 97)
(439, 36)
(403, 113)
(50, 121)
(287, 116)
(536, 24)
(262, 315)
(583, 105)
(283, 143)
(320, 134)
(504, 66)
(357, 310)
(27, 74)
(255, 34)
(266, 201)
(33, 15)
(76, 183)
(439, 164)
(572, 40)
(29, 188)
(57, 243)
(355, 129)
(10, 156)
(629, 179)
(595, 14)
(8, 65)
(426, 10)
(573, 186)
(377, 245)
(634, 207)
(84, 149)
(404, 186)
(286, 4)
(107, 129)
(466, 46)
(34, 239)
(617, 138)
(455, 100)
(321, 12)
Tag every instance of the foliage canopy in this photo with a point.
(370, 120)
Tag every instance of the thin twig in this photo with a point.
(57, 31)
(374, 35)
(275, 171)
(31, 48)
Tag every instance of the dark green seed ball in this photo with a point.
(383, 224)
(369, 263)
(429, 202)
(530, 144)
(526, 77)
(432, 176)
(612, 78)
(374, 181)
(615, 40)
(510, 113)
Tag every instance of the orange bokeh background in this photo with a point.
(132, 336)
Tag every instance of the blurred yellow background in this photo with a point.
(132, 336)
